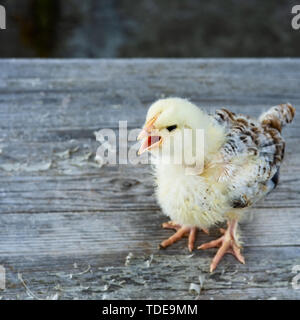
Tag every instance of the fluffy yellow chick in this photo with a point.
(239, 159)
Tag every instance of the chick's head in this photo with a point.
(166, 127)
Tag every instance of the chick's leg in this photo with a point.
(227, 244)
(181, 232)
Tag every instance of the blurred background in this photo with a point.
(149, 28)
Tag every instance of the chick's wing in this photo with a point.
(250, 158)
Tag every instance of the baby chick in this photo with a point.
(240, 162)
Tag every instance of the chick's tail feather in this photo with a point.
(277, 117)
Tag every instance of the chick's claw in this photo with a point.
(171, 225)
(181, 232)
(227, 244)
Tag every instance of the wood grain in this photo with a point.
(67, 224)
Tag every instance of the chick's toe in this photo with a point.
(227, 244)
(181, 231)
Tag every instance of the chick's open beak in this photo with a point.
(149, 136)
(149, 142)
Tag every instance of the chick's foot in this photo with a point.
(181, 232)
(227, 244)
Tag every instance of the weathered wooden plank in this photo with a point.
(67, 173)
(109, 190)
(79, 90)
(58, 207)
(87, 233)
(158, 275)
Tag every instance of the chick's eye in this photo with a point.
(171, 128)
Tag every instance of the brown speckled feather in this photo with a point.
(252, 153)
